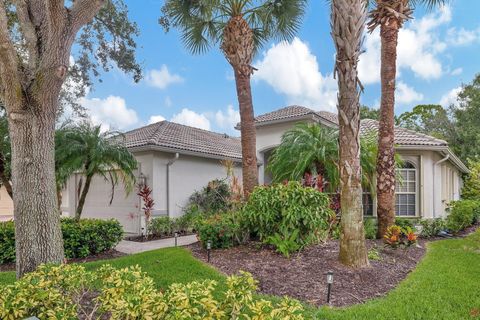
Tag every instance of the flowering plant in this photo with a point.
(399, 237)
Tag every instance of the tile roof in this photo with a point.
(403, 137)
(176, 136)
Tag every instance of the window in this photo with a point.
(406, 194)
(367, 204)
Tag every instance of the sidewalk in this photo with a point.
(131, 247)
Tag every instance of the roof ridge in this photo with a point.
(200, 129)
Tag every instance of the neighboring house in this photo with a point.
(176, 160)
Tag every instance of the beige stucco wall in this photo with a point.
(6, 205)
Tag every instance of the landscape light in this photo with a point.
(329, 284)
(209, 247)
(176, 238)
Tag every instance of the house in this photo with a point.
(176, 160)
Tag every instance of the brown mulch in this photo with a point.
(303, 276)
(110, 254)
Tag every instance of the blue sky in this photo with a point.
(438, 51)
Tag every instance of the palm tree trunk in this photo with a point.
(83, 197)
(59, 199)
(3, 177)
(348, 22)
(386, 135)
(248, 133)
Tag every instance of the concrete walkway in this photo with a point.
(130, 247)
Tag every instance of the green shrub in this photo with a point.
(165, 226)
(370, 226)
(462, 214)
(223, 230)
(471, 185)
(405, 223)
(80, 239)
(431, 227)
(160, 226)
(58, 292)
(7, 242)
(213, 198)
(272, 211)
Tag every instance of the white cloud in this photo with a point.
(191, 118)
(419, 46)
(111, 112)
(162, 78)
(405, 94)
(292, 69)
(462, 37)
(228, 119)
(168, 102)
(456, 72)
(450, 97)
(156, 118)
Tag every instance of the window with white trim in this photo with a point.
(406, 191)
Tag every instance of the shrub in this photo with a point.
(471, 185)
(63, 292)
(462, 214)
(431, 227)
(273, 211)
(223, 230)
(405, 222)
(397, 236)
(212, 198)
(370, 226)
(161, 226)
(166, 226)
(80, 239)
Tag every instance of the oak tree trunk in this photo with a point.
(248, 133)
(38, 237)
(83, 197)
(386, 134)
(348, 22)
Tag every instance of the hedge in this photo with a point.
(81, 239)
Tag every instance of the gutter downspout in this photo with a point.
(169, 163)
(434, 184)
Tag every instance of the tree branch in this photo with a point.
(29, 32)
(11, 85)
(83, 11)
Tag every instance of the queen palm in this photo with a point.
(87, 149)
(240, 27)
(390, 15)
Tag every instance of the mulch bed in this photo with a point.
(303, 276)
(156, 237)
(111, 254)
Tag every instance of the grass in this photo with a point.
(445, 285)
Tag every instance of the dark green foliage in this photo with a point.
(285, 241)
(7, 242)
(462, 214)
(370, 226)
(471, 185)
(213, 198)
(369, 113)
(166, 226)
(431, 227)
(80, 239)
(405, 222)
(277, 210)
(223, 230)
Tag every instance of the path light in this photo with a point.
(329, 283)
(176, 238)
(209, 247)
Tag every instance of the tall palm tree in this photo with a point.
(241, 27)
(348, 23)
(390, 15)
(86, 148)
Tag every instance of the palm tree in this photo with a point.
(86, 148)
(347, 23)
(241, 27)
(390, 15)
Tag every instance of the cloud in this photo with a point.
(419, 46)
(456, 72)
(291, 69)
(462, 37)
(451, 97)
(168, 102)
(154, 119)
(227, 120)
(405, 94)
(111, 112)
(162, 78)
(191, 118)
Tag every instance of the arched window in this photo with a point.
(406, 190)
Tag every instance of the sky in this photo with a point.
(438, 51)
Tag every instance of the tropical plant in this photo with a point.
(37, 39)
(463, 213)
(86, 148)
(471, 183)
(390, 15)
(241, 27)
(145, 193)
(397, 236)
(213, 198)
(431, 227)
(347, 25)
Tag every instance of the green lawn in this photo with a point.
(445, 285)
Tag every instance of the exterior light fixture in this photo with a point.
(176, 238)
(209, 248)
(329, 284)
(142, 179)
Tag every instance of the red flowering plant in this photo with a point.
(145, 193)
(399, 237)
